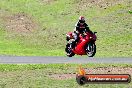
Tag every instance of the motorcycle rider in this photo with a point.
(80, 28)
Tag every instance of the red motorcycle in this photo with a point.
(85, 46)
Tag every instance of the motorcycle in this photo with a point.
(85, 46)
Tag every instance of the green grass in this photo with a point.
(62, 67)
(55, 19)
(37, 76)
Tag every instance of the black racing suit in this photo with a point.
(80, 28)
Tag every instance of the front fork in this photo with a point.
(90, 47)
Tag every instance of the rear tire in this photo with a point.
(68, 50)
(67, 38)
(91, 49)
(70, 55)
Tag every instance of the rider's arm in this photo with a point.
(88, 29)
(76, 30)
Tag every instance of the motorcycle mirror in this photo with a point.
(95, 32)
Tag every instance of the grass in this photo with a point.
(56, 18)
(64, 67)
(38, 76)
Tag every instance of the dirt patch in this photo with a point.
(63, 76)
(83, 4)
(20, 23)
(99, 70)
(110, 70)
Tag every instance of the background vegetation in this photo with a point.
(38, 27)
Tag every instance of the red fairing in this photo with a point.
(94, 37)
(80, 47)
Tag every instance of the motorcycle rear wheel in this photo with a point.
(68, 50)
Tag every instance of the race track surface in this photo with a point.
(52, 60)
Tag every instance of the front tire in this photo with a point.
(91, 49)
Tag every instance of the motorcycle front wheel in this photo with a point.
(91, 49)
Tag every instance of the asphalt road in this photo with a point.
(51, 60)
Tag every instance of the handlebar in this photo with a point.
(95, 32)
